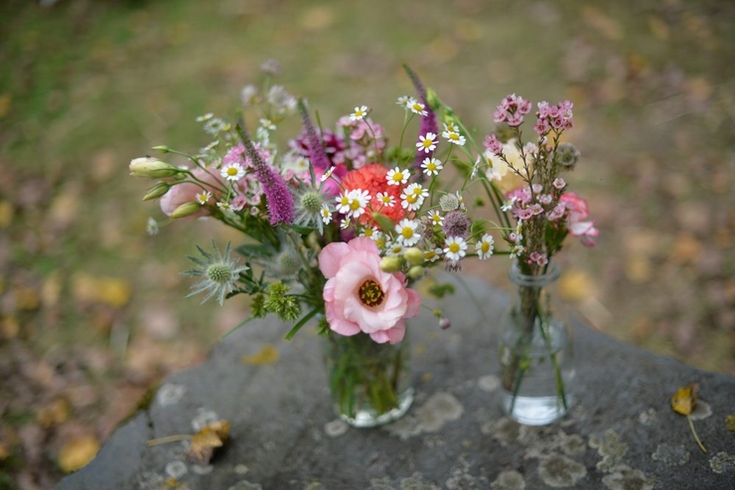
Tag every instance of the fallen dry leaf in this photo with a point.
(268, 354)
(730, 422)
(683, 402)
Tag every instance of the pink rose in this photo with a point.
(187, 192)
(577, 222)
(359, 297)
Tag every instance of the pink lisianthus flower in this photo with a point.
(577, 222)
(360, 297)
(187, 192)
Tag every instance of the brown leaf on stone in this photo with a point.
(209, 438)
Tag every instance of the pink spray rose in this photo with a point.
(577, 222)
(359, 297)
(187, 192)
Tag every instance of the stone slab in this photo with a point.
(621, 433)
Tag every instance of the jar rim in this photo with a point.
(553, 271)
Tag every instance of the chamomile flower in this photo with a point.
(343, 203)
(224, 206)
(403, 101)
(359, 200)
(435, 218)
(386, 200)
(432, 255)
(397, 176)
(218, 271)
(203, 197)
(232, 171)
(407, 232)
(416, 107)
(327, 174)
(451, 127)
(344, 223)
(326, 214)
(359, 114)
(453, 136)
(370, 232)
(206, 117)
(455, 248)
(427, 142)
(152, 227)
(509, 204)
(484, 248)
(432, 166)
(413, 197)
(394, 249)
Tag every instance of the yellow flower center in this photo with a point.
(407, 232)
(397, 177)
(485, 247)
(355, 205)
(232, 171)
(371, 294)
(427, 142)
(454, 247)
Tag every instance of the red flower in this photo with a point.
(372, 178)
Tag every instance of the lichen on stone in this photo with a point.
(246, 485)
(722, 462)
(170, 394)
(504, 430)
(418, 482)
(438, 409)
(335, 428)
(648, 417)
(560, 471)
(462, 479)
(626, 478)
(611, 448)
(671, 455)
(488, 383)
(509, 480)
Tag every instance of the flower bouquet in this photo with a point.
(340, 221)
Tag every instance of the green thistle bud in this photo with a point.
(152, 168)
(566, 156)
(288, 263)
(311, 202)
(186, 209)
(220, 273)
(157, 191)
(416, 272)
(414, 256)
(390, 264)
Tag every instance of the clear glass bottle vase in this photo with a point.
(536, 354)
(370, 383)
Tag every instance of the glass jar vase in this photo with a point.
(536, 354)
(370, 383)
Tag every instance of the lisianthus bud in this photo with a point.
(186, 209)
(390, 264)
(567, 156)
(161, 148)
(416, 272)
(152, 168)
(157, 191)
(414, 256)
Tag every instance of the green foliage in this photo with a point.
(440, 290)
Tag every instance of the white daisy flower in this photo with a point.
(454, 137)
(432, 166)
(206, 117)
(370, 232)
(455, 248)
(359, 114)
(432, 255)
(416, 107)
(403, 101)
(484, 248)
(359, 200)
(394, 248)
(407, 231)
(204, 197)
(417, 190)
(412, 200)
(386, 199)
(343, 203)
(397, 176)
(344, 224)
(327, 174)
(451, 127)
(224, 206)
(508, 205)
(326, 214)
(435, 217)
(427, 142)
(232, 171)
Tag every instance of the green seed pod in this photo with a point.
(414, 256)
(157, 191)
(186, 209)
(390, 264)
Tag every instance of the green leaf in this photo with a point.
(255, 250)
(302, 322)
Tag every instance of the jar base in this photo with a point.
(367, 417)
(535, 410)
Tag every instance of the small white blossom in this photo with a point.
(416, 107)
(359, 114)
(325, 214)
(204, 197)
(484, 248)
(232, 171)
(427, 142)
(455, 248)
(435, 217)
(386, 199)
(407, 232)
(327, 174)
(397, 176)
(432, 166)
(267, 124)
(432, 255)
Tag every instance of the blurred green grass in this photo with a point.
(88, 85)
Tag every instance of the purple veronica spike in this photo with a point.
(317, 156)
(277, 195)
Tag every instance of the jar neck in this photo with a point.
(549, 276)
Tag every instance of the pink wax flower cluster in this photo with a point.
(511, 110)
(360, 297)
(578, 221)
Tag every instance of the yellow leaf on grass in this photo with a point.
(268, 354)
(685, 399)
(78, 452)
(730, 422)
(204, 442)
